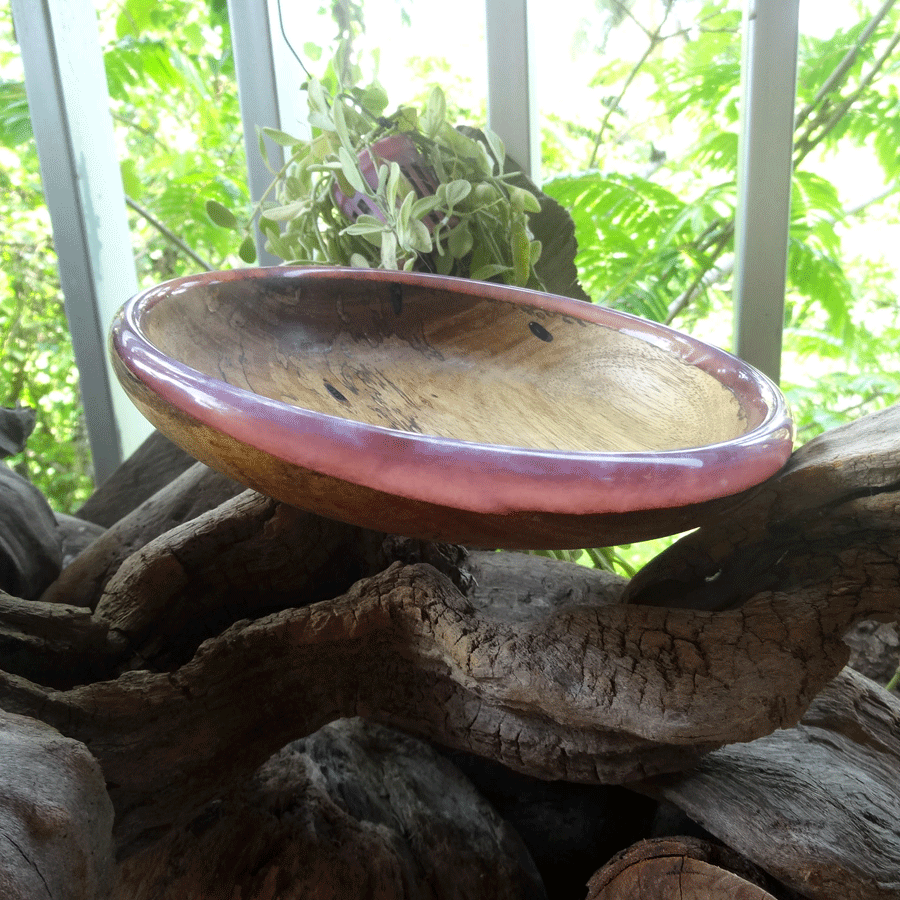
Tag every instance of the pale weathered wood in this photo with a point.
(190, 494)
(355, 811)
(821, 797)
(55, 816)
(683, 868)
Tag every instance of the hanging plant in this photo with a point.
(406, 191)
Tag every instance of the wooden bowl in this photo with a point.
(448, 409)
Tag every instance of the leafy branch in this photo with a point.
(842, 69)
(818, 129)
(399, 192)
(654, 39)
(168, 234)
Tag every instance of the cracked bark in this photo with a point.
(184, 656)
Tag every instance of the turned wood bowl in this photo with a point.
(448, 409)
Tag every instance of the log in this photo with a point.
(55, 816)
(677, 867)
(823, 795)
(56, 645)
(569, 696)
(353, 811)
(195, 491)
(830, 512)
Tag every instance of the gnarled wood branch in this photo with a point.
(823, 795)
(585, 688)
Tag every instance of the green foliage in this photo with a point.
(406, 191)
(38, 368)
(176, 113)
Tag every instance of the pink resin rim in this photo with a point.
(482, 478)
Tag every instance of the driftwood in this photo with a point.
(681, 867)
(184, 658)
(153, 466)
(840, 768)
(55, 816)
(30, 551)
(353, 811)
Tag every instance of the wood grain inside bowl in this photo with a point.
(426, 360)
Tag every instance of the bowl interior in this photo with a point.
(424, 358)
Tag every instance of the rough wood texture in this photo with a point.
(829, 514)
(55, 816)
(154, 465)
(241, 632)
(75, 535)
(402, 356)
(676, 867)
(354, 811)
(823, 795)
(30, 547)
(193, 492)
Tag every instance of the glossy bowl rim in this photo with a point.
(486, 478)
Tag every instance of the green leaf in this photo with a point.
(498, 148)
(247, 250)
(363, 229)
(457, 191)
(131, 182)
(316, 94)
(424, 206)
(491, 270)
(419, 238)
(388, 250)
(350, 169)
(221, 215)
(393, 183)
(283, 138)
(460, 240)
(340, 126)
(321, 120)
(263, 149)
(15, 118)
(521, 255)
(435, 113)
(524, 200)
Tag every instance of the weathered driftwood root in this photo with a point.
(831, 512)
(55, 816)
(588, 688)
(353, 811)
(823, 795)
(589, 693)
